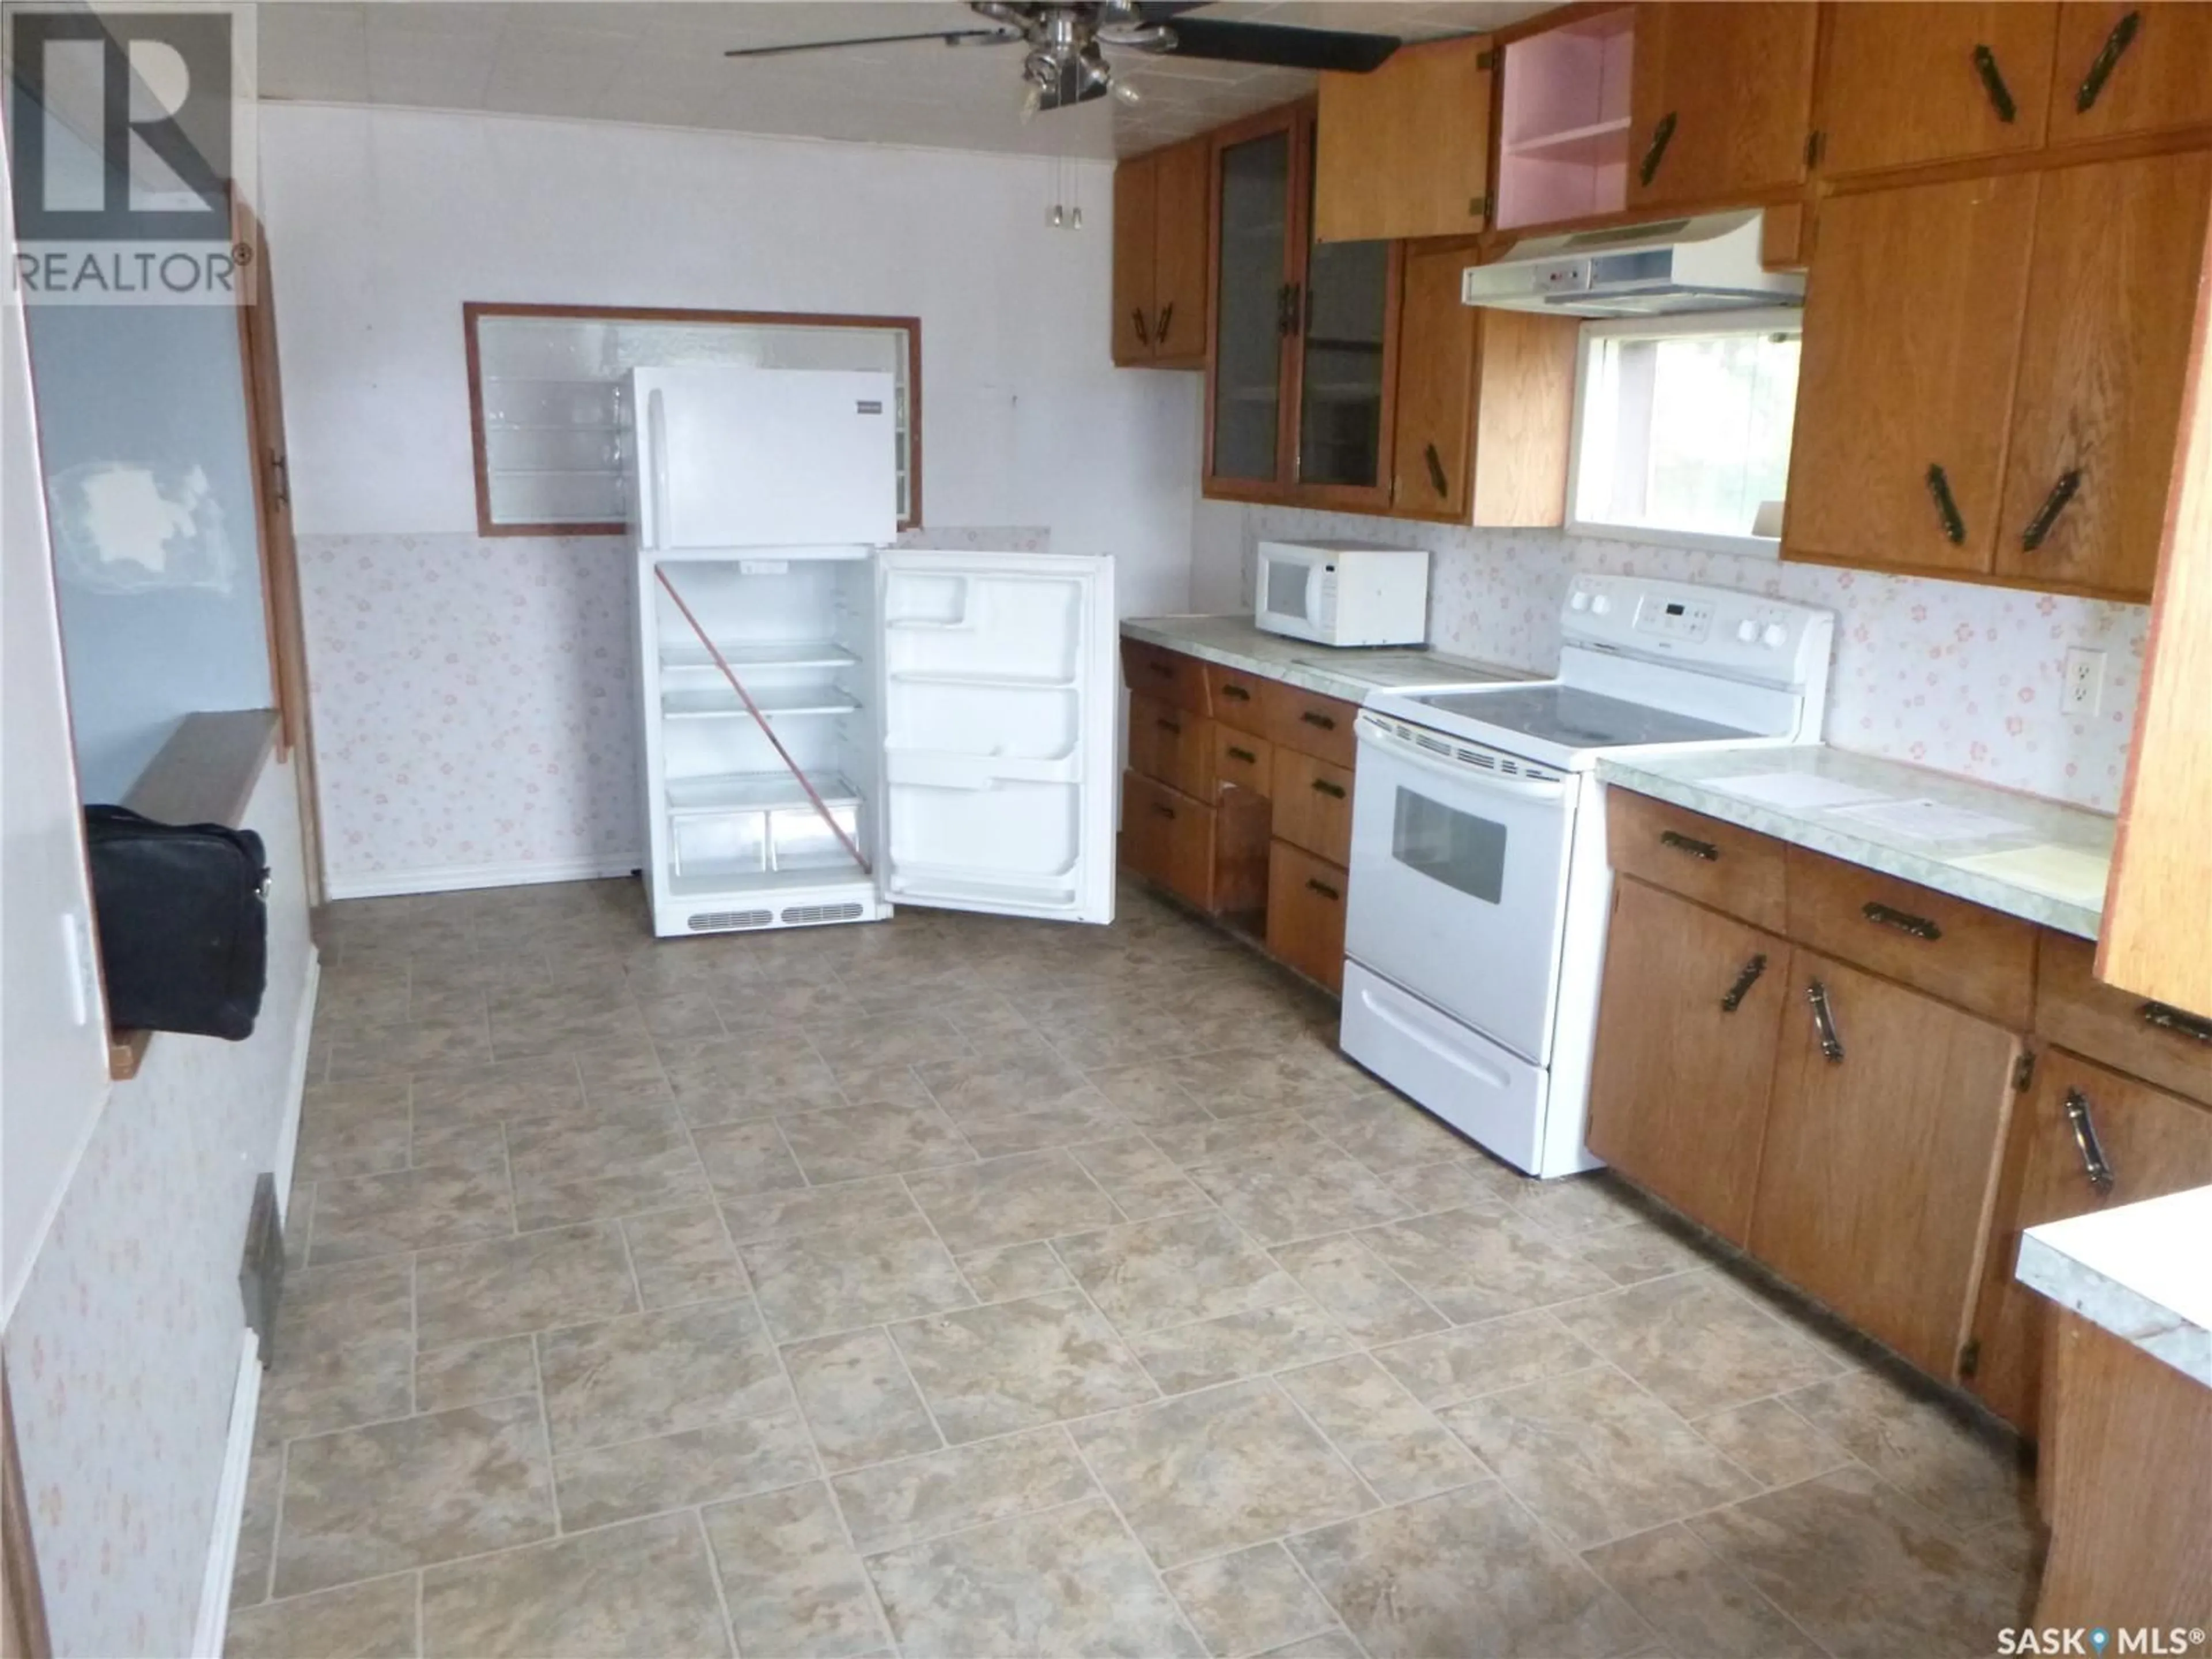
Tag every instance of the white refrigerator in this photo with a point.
(952, 714)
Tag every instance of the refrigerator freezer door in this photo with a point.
(999, 675)
(764, 457)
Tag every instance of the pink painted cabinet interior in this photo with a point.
(1564, 121)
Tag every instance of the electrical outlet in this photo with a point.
(2084, 686)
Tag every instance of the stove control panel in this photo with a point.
(1722, 630)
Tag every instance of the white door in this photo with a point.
(765, 457)
(1459, 880)
(998, 733)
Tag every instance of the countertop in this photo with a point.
(1335, 671)
(2139, 1271)
(2051, 871)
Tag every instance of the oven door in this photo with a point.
(1459, 881)
(1286, 593)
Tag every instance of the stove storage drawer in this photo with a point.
(1311, 724)
(1980, 959)
(1313, 805)
(1171, 745)
(1168, 838)
(1168, 676)
(1305, 912)
(1735, 870)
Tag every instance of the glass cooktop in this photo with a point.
(1573, 718)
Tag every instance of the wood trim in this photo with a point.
(472, 310)
(23, 1630)
(2121, 147)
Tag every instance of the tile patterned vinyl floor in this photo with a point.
(960, 1286)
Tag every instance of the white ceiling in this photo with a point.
(661, 63)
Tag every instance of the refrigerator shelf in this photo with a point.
(993, 681)
(754, 792)
(760, 653)
(776, 701)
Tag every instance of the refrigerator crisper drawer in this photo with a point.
(1487, 1093)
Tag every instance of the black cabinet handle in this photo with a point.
(1137, 316)
(1323, 787)
(2168, 1017)
(1744, 981)
(1437, 481)
(1326, 722)
(1323, 888)
(1904, 920)
(1237, 692)
(1160, 330)
(1166, 671)
(1690, 844)
(2039, 527)
(1159, 811)
(1823, 1023)
(1170, 726)
(1244, 755)
(2094, 1162)
(1947, 509)
(1661, 135)
(2100, 71)
(1993, 83)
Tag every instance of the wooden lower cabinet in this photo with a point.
(2079, 1118)
(1305, 912)
(1169, 838)
(1876, 1182)
(1691, 1012)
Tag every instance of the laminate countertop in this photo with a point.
(2138, 1271)
(2040, 860)
(1332, 671)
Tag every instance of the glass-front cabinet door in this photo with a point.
(1344, 331)
(1252, 251)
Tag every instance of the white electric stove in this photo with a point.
(1476, 940)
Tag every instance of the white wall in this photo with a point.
(382, 222)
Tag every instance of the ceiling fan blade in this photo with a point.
(1279, 45)
(950, 37)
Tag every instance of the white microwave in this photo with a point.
(1342, 592)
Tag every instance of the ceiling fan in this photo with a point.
(1066, 63)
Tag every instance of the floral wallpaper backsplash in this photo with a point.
(1959, 676)
(474, 702)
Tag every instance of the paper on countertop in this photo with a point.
(2068, 873)
(1929, 820)
(1799, 790)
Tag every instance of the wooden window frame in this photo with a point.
(473, 310)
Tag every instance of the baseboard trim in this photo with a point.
(457, 878)
(295, 1084)
(229, 1504)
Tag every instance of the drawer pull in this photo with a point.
(2168, 1017)
(1824, 1022)
(1323, 888)
(1744, 981)
(1993, 83)
(1244, 755)
(1904, 920)
(1174, 728)
(1237, 691)
(1437, 481)
(2101, 72)
(1315, 717)
(1690, 844)
(2093, 1165)
(1946, 507)
(1160, 330)
(1159, 811)
(1144, 334)
(1323, 787)
(2039, 527)
(1662, 135)
(1165, 670)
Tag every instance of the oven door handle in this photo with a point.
(1529, 789)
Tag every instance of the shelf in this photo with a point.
(754, 792)
(999, 682)
(1596, 144)
(777, 702)
(706, 881)
(757, 653)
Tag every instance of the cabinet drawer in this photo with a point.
(1238, 697)
(2076, 1009)
(1735, 870)
(1310, 723)
(1172, 745)
(1977, 958)
(1313, 805)
(1167, 837)
(1305, 912)
(1169, 676)
(1243, 759)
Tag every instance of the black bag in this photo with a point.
(184, 923)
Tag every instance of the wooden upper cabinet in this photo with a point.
(2086, 1139)
(1436, 387)
(1903, 82)
(1687, 1031)
(1404, 151)
(2111, 297)
(1159, 258)
(1912, 319)
(1722, 99)
(1876, 1183)
(2132, 67)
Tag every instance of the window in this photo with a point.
(545, 392)
(1682, 430)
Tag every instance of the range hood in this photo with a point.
(1709, 263)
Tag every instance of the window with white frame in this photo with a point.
(1682, 430)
